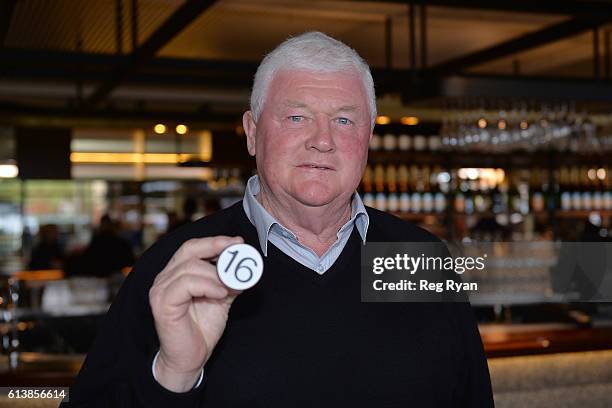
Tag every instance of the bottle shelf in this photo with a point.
(419, 216)
(522, 191)
(519, 159)
(414, 216)
(582, 213)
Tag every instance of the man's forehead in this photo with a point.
(289, 85)
(288, 80)
(294, 103)
(295, 71)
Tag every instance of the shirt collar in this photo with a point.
(263, 221)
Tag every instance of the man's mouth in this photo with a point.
(316, 166)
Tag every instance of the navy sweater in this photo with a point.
(297, 339)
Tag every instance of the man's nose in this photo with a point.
(322, 138)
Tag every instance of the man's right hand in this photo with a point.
(190, 306)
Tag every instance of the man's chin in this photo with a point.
(314, 197)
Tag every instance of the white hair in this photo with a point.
(315, 52)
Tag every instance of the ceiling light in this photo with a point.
(160, 129)
(383, 120)
(181, 129)
(409, 120)
(8, 171)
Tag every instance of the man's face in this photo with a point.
(311, 140)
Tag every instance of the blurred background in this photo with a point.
(121, 120)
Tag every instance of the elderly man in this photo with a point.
(177, 337)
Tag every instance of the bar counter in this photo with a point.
(529, 364)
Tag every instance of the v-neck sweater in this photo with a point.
(297, 339)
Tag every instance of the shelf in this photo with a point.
(410, 216)
(583, 213)
(41, 369)
(559, 214)
(421, 215)
(487, 214)
(502, 341)
(519, 159)
(40, 275)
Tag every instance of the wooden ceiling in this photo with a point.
(247, 29)
(135, 38)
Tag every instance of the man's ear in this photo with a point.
(250, 129)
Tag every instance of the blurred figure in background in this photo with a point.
(489, 229)
(211, 205)
(582, 266)
(27, 240)
(173, 221)
(48, 252)
(107, 253)
(190, 208)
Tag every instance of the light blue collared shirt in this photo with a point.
(268, 229)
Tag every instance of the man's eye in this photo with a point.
(296, 118)
(344, 121)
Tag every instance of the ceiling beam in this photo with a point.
(177, 22)
(164, 73)
(552, 33)
(38, 65)
(586, 8)
(7, 8)
(61, 66)
(509, 87)
(49, 116)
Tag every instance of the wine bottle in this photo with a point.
(427, 198)
(514, 196)
(375, 142)
(404, 142)
(419, 142)
(379, 183)
(585, 189)
(392, 198)
(389, 142)
(417, 189)
(438, 196)
(404, 186)
(498, 203)
(469, 196)
(481, 195)
(523, 188)
(434, 142)
(535, 191)
(366, 183)
(564, 188)
(459, 195)
(607, 186)
(597, 194)
(575, 188)
(548, 193)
